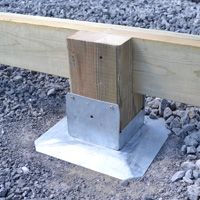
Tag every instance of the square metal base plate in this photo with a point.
(131, 161)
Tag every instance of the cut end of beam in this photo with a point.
(99, 38)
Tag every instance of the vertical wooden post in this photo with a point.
(101, 68)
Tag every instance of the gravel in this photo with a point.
(178, 176)
(30, 103)
(193, 192)
(183, 121)
(29, 94)
(175, 15)
(167, 113)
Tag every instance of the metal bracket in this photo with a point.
(98, 122)
(89, 136)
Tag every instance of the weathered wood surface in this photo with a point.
(101, 68)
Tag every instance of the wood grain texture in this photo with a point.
(67, 25)
(92, 66)
(101, 68)
(129, 102)
(167, 70)
(35, 48)
(165, 64)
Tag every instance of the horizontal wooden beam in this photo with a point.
(165, 64)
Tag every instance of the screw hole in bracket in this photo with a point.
(100, 57)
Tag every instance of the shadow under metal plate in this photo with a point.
(131, 161)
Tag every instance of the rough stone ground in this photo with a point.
(28, 112)
(173, 15)
(30, 103)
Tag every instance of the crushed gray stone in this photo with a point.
(187, 165)
(188, 180)
(29, 94)
(196, 174)
(191, 157)
(198, 164)
(189, 174)
(190, 141)
(178, 176)
(153, 116)
(193, 192)
(167, 113)
(191, 150)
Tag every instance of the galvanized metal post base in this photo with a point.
(98, 122)
(138, 144)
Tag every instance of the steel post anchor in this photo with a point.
(90, 136)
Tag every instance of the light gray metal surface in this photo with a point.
(98, 122)
(131, 161)
(131, 129)
(93, 121)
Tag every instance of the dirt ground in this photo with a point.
(55, 179)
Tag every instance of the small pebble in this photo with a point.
(153, 116)
(178, 176)
(52, 91)
(188, 165)
(25, 170)
(191, 150)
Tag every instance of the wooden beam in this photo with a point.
(34, 47)
(167, 70)
(74, 25)
(165, 64)
(101, 68)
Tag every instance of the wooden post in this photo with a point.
(101, 68)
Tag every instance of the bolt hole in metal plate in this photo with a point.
(93, 121)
